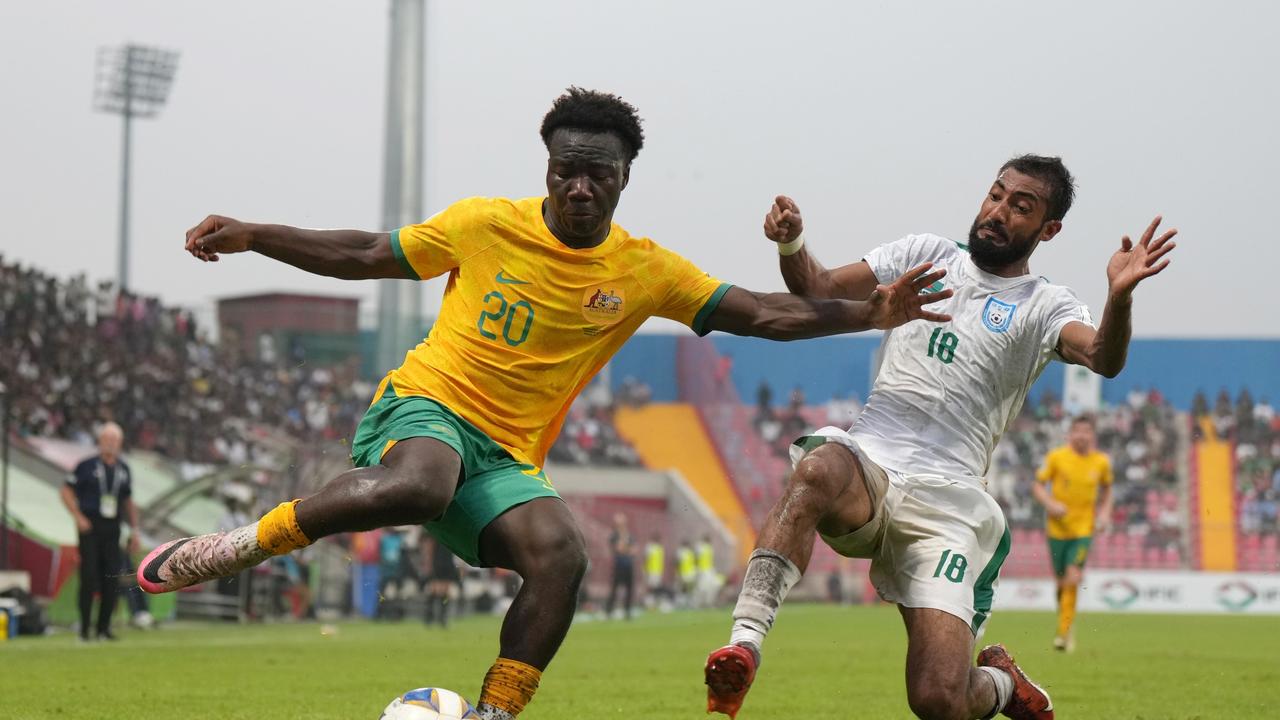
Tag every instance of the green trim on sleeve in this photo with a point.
(709, 307)
(405, 265)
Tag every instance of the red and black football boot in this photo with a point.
(730, 671)
(1029, 701)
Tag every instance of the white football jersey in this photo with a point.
(946, 392)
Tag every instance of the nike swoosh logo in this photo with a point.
(152, 571)
(503, 279)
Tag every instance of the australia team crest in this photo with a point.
(603, 305)
(998, 316)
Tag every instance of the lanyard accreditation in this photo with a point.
(108, 503)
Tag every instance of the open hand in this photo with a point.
(1132, 264)
(903, 300)
(83, 524)
(1055, 509)
(216, 234)
(782, 224)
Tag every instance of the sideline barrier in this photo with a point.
(1152, 592)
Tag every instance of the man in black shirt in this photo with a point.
(622, 546)
(96, 494)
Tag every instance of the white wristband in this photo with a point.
(791, 248)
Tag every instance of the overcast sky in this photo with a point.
(880, 118)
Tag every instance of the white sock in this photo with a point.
(489, 712)
(769, 577)
(1004, 688)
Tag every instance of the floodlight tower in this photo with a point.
(132, 81)
(400, 322)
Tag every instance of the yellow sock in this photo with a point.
(1066, 609)
(278, 531)
(509, 685)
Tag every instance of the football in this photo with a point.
(429, 704)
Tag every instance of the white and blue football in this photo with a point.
(429, 704)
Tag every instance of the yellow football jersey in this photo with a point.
(1074, 480)
(527, 321)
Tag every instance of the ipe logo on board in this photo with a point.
(1121, 593)
(1237, 595)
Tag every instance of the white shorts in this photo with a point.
(933, 542)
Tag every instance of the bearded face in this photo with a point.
(992, 244)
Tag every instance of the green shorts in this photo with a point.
(1066, 553)
(492, 481)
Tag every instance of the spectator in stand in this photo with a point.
(1224, 416)
(622, 547)
(1199, 415)
(779, 428)
(796, 402)
(842, 411)
(724, 371)
(96, 494)
(1264, 414)
(1244, 416)
(794, 423)
(764, 404)
(633, 393)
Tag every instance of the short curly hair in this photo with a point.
(595, 111)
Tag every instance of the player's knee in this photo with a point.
(1072, 576)
(936, 700)
(418, 496)
(820, 475)
(558, 552)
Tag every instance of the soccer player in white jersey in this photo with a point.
(905, 485)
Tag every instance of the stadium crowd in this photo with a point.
(1142, 439)
(76, 355)
(589, 435)
(779, 426)
(1255, 429)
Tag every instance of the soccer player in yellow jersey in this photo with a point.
(541, 293)
(1074, 482)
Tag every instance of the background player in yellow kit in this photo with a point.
(541, 293)
(1074, 481)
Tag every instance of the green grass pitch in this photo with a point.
(820, 662)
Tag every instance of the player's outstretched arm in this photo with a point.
(1105, 349)
(783, 316)
(345, 254)
(801, 271)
